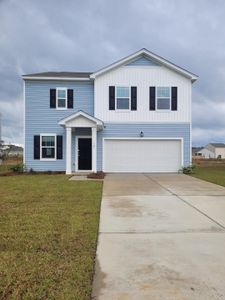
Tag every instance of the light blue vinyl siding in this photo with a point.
(40, 118)
(142, 61)
(167, 130)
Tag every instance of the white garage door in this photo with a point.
(142, 155)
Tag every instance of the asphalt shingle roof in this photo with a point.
(218, 145)
(61, 74)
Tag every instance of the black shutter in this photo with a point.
(174, 98)
(59, 147)
(52, 98)
(152, 98)
(36, 146)
(112, 98)
(133, 98)
(69, 98)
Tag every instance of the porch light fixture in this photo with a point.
(141, 134)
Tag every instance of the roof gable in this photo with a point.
(81, 119)
(142, 61)
(151, 56)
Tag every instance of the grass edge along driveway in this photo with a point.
(214, 173)
(48, 235)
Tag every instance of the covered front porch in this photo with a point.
(81, 142)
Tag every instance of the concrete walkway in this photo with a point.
(161, 237)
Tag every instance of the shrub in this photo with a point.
(18, 168)
(188, 170)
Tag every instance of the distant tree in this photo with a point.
(1, 149)
(4, 150)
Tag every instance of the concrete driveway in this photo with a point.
(160, 237)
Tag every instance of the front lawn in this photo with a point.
(48, 232)
(214, 174)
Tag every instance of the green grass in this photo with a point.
(214, 174)
(48, 232)
(4, 168)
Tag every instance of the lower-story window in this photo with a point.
(48, 146)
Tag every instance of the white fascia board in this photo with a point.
(78, 114)
(56, 78)
(151, 55)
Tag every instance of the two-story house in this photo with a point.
(131, 116)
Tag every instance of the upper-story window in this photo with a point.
(163, 98)
(122, 98)
(61, 98)
(48, 146)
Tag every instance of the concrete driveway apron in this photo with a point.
(160, 237)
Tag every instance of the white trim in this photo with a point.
(151, 55)
(47, 159)
(94, 149)
(76, 153)
(56, 78)
(24, 124)
(147, 123)
(78, 114)
(57, 98)
(140, 139)
(68, 150)
(119, 109)
(191, 128)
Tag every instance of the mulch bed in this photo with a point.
(98, 175)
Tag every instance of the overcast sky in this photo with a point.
(85, 35)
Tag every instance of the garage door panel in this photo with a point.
(142, 155)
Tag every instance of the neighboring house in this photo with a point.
(195, 151)
(15, 150)
(11, 150)
(131, 116)
(213, 150)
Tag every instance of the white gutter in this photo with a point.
(56, 78)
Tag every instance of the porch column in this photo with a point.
(94, 149)
(68, 149)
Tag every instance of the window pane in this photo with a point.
(61, 103)
(48, 152)
(122, 103)
(163, 103)
(48, 141)
(61, 93)
(122, 92)
(163, 91)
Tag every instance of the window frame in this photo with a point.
(170, 99)
(41, 147)
(57, 98)
(121, 109)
